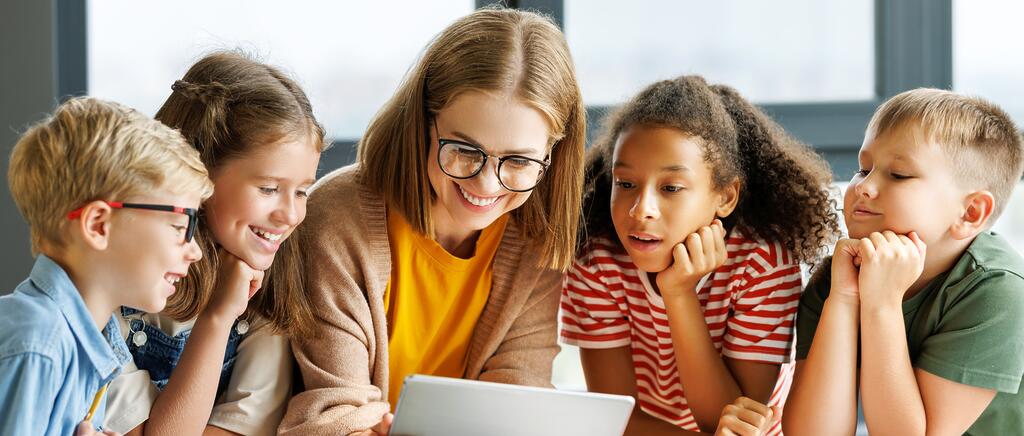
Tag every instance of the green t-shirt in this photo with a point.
(966, 325)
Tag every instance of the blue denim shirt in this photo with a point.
(53, 359)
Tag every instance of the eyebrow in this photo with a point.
(469, 139)
(676, 169)
(665, 169)
(281, 179)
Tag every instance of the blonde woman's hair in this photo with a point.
(978, 137)
(228, 105)
(492, 50)
(89, 150)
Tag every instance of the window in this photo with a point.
(773, 52)
(986, 62)
(349, 56)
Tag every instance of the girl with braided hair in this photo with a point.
(216, 360)
(699, 210)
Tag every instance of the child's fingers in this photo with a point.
(734, 422)
(866, 248)
(707, 240)
(756, 420)
(85, 428)
(256, 282)
(921, 246)
(877, 240)
(891, 237)
(721, 252)
(755, 406)
(681, 257)
(910, 246)
(696, 248)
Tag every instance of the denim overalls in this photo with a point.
(156, 352)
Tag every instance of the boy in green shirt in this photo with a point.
(921, 311)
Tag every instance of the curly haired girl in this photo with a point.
(699, 211)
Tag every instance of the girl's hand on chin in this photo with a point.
(700, 253)
(237, 282)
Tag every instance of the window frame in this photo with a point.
(913, 48)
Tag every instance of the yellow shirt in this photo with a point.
(433, 301)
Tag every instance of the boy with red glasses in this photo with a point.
(111, 198)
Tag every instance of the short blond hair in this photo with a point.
(979, 138)
(91, 149)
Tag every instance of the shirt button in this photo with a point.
(242, 326)
(139, 338)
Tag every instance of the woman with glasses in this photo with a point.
(442, 250)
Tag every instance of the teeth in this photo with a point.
(172, 279)
(477, 201)
(644, 239)
(272, 237)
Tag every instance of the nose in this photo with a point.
(192, 251)
(866, 187)
(645, 207)
(487, 180)
(287, 211)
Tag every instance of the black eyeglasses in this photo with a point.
(190, 231)
(462, 160)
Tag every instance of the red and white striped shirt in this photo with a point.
(749, 304)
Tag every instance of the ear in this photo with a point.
(93, 226)
(978, 207)
(728, 197)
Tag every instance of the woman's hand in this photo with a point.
(381, 429)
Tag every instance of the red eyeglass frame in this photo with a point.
(193, 217)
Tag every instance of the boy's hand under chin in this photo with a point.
(879, 269)
(889, 266)
(699, 254)
(845, 264)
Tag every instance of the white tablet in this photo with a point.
(430, 406)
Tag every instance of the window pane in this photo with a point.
(986, 52)
(772, 51)
(348, 56)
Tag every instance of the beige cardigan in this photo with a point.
(345, 368)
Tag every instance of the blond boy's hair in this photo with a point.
(92, 149)
(980, 139)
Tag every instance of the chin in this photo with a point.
(157, 307)
(650, 263)
(152, 306)
(261, 263)
(860, 232)
(477, 222)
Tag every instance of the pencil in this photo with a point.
(95, 402)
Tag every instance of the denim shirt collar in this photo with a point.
(106, 350)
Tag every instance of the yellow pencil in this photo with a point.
(95, 403)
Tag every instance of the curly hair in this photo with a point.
(784, 185)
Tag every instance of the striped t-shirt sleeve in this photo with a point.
(591, 316)
(764, 311)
